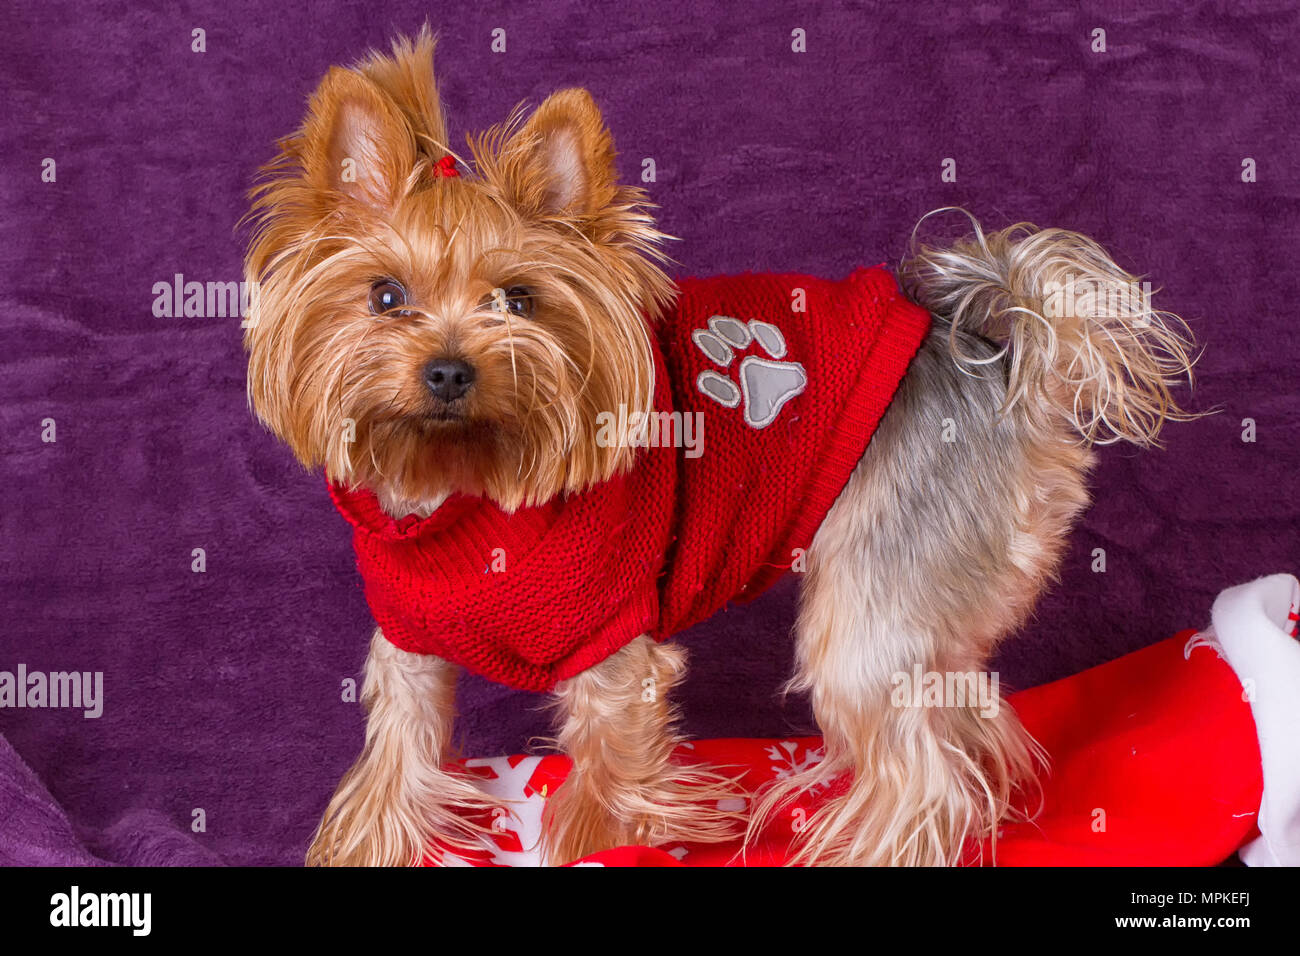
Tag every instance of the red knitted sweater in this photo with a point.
(776, 384)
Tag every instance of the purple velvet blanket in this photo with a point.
(128, 444)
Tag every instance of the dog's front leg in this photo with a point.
(397, 797)
(624, 788)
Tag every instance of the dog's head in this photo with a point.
(421, 329)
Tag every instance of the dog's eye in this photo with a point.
(515, 299)
(387, 296)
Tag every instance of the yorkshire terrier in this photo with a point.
(553, 457)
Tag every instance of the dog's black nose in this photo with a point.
(449, 379)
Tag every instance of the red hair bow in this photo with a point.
(445, 167)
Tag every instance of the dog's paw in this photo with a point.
(695, 805)
(766, 384)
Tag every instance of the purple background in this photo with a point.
(222, 688)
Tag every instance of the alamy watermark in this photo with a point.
(82, 690)
(1080, 295)
(975, 689)
(191, 299)
(624, 429)
(133, 911)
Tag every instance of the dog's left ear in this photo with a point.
(561, 163)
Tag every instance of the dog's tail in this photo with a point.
(1077, 332)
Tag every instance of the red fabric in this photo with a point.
(1164, 747)
(531, 598)
(445, 168)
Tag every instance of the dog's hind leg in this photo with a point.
(938, 546)
(953, 522)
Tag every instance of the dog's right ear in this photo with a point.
(355, 145)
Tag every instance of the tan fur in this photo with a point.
(938, 549)
(624, 788)
(934, 552)
(320, 366)
(1079, 332)
(397, 797)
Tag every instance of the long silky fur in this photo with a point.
(1041, 349)
(397, 800)
(625, 788)
(1078, 332)
(343, 388)
(937, 550)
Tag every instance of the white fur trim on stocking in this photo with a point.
(1253, 624)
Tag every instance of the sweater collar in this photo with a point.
(362, 509)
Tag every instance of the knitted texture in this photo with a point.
(768, 389)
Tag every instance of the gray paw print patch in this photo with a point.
(766, 384)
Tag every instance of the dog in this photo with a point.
(488, 357)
